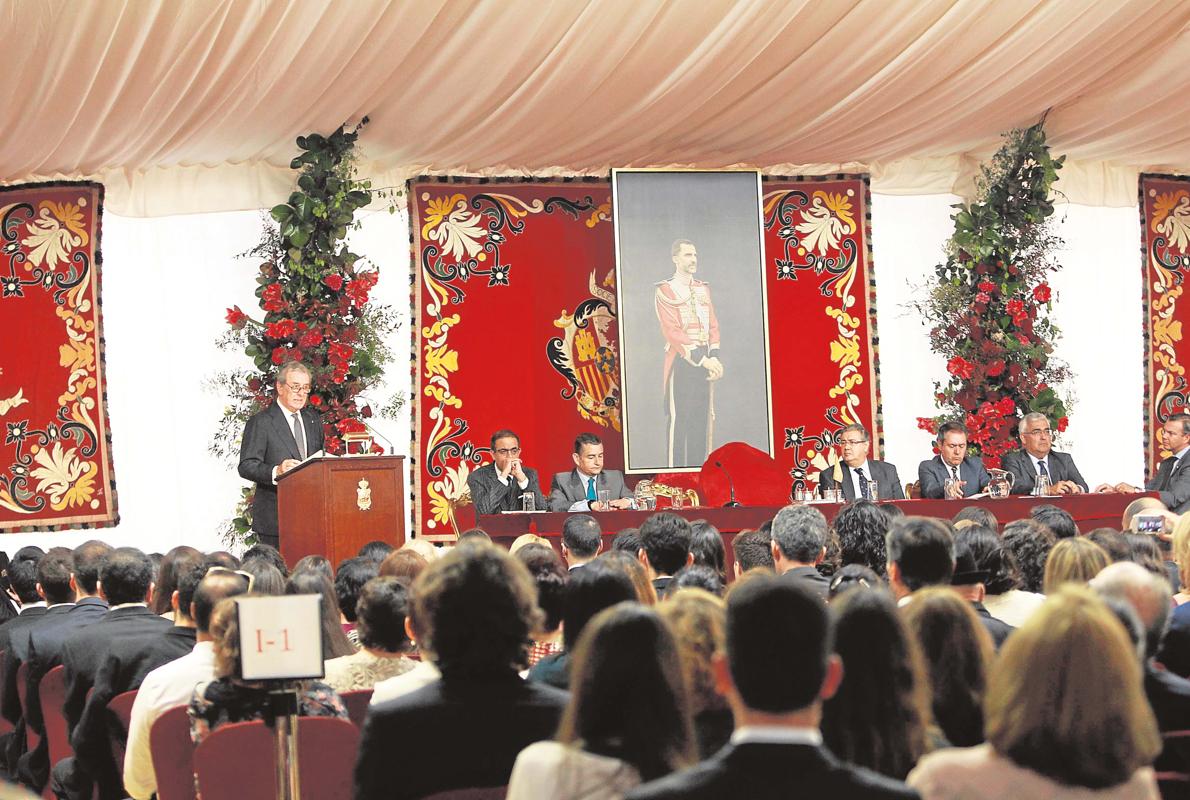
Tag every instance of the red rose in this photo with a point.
(1015, 306)
(310, 339)
(1062, 423)
(1006, 406)
(960, 368)
(333, 444)
(278, 355)
(996, 367)
(334, 281)
(315, 399)
(1041, 293)
(236, 318)
(271, 297)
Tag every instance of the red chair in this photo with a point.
(173, 755)
(52, 689)
(32, 738)
(237, 760)
(119, 718)
(474, 793)
(357, 705)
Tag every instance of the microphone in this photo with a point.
(392, 450)
(731, 485)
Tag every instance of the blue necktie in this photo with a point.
(591, 489)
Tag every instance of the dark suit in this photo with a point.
(1060, 467)
(487, 722)
(998, 629)
(761, 770)
(932, 475)
(16, 628)
(490, 496)
(568, 488)
(810, 578)
(885, 475)
(1169, 696)
(1173, 485)
(268, 440)
(27, 617)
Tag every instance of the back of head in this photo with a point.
(991, 557)
(628, 692)
(979, 515)
(779, 642)
(222, 558)
(752, 550)
(266, 578)
(1144, 550)
(698, 619)
(1056, 519)
(350, 578)
(315, 563)
(88, 558)
(381, 611)
(706, 545)
(550, 576)
(628, 541)
(800, 533)
(1030, 543)
(1148, 595)
(474, 535)
(665, 538)
(1074, 560)
(423, 548)
(597, 586)
(174, 564)
(631, 567)
(853, 576)
(375, 550)
(53, 573)
(923, 550)
(404, 564)
(861, 528)
(697, 576)
(214, 585)
(126, 576)
(334, 641)
(1141, 505)
(582, 535)
(22, 575)
(1112, 542)
(1065, 698)
(269, 554)
(476, 610)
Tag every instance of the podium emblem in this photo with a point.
(363, 495)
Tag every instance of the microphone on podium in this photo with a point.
(731, 485)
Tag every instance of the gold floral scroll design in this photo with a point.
(1170, 221)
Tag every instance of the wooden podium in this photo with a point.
(333, 506)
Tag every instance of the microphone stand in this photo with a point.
(732, 503)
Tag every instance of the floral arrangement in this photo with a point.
(314, 298)
(988, 306)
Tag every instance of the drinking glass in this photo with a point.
(605, 497)
(678, 500)
(1043, 486)
(873, 490)
(528, 502)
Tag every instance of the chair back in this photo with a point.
(52, 691)
(119, 715)
(237, 760)
(357, 701)
(471, 793)
(173, 755)
(32, 738)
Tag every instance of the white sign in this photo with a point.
(280, 637)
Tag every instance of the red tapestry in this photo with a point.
(55, 460)
(514, 302)
(1165, 237)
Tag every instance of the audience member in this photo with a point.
(375, 550)
(697, 576)
(706, 546)
(920, 554)
(958, 652)
(777, 671)
(381, 609)
(222, 558)
(1056, 519)
(269, 554)
(628, 718)
(350, 578)
(474, 535)
(549, 575)
(979, 515)
(425, 549)
(582, 539)
(697, 618)
(664, 548)
(1030, 543)
(172, 684)
(627, 540)
(1073, 560)
(879, 715)
(229, 698)
(315, 563)
(1065, 714)
(752, 550)
(968, 582)
(1004, 599)
(22, 578)
(891, 512)
(266, 578)
(630, 565)
(526, 539)
(404, 564)
(174, 564)
(1112, 542)
(334, 640)
(1141, 505)
(860, 528)
(799, 545)
(851, 577)
(1143, 550)
(474, 612)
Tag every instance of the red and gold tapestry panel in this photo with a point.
(55, 457)
(514, 305)
(1165, 242)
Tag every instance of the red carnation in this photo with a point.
(1006, 406)
(1041, 293)
(1015, 306)
(315, 400)
(236, 318)
(960, 367)
(310, 339)
(1062, 423)
(996, 367)
(334, 281)
(271, 297)
(278, 355)
(987, 286)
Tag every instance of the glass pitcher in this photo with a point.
(1001, 483)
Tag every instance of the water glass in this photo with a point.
(528, 502)
(873, 490)
(803, 495)
(678, 500)
(605, 497)
(1042, 489)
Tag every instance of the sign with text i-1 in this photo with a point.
(280, 637)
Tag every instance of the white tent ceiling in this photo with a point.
(194, 106)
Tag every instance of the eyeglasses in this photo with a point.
(852, 442)
(297, 388)
(251, 578)
(508, 451)
(1040, 432)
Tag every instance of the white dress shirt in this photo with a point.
(854, 472)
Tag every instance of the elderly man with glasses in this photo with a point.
(1037, 458)
(858, 472)
(275, 441)
(499, 486)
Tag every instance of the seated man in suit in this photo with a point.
(1038, 458)
(799, 545)
(777, 671)
(664, 549)
(578, 490)
(857, 470)
(1171, 481)
(498, 486)
(952, 463)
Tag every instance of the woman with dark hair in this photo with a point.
(851, 577)
(706, 545)
(315, 563)
(860, 528)
(696, 576)
(698, 620)
(630, 565)
(879, 715)
(266, 579)
(1005, 600)
(334, 641)
(1066, 714)
(174, 565)
(958, 651)
(549, 573)
(1030, 543)
(1143, 550)
(628, 719)
(380, 620)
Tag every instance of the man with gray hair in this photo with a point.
(799, 545)
(856, 471)
(1038, 459)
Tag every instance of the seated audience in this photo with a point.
(777, 670)
(474, 611)
(405, 564)
(1056, 519)
(1037, 459)
(697, 576)
(266, 578)
(549, 575)
(229, 698)
(349, 579)
(851, 577)
(664, 548)
(860, 528)
(1065, 715)
(1072, 561)
(172, 684)
(799, 545)
(1180, 552)
(1030, 543)
(1003, 598)
(968, 582)
(1112, 542)
(375, 550)
(958, 651)
(334, 641)
(270, 554)
(706, 546)
(628, 718)
(879, 715)
(979, 515)
(920, 554)
(966, 472)
(380, 613)
(697, 619)
(174, 564)
(1141, 505)
(752, 550)
(582, 539)
(630, 565)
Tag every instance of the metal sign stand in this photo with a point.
(285, 732)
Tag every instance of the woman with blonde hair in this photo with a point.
(1073, 560)
(698, 620)
(1066, 713)
(1181, 557)
(958, 651)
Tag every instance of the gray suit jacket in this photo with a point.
(933, 474)
(268, 440)
(1174, 488)
(490, 496)
(885, 475)
(567, 488)
(1060, 466)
